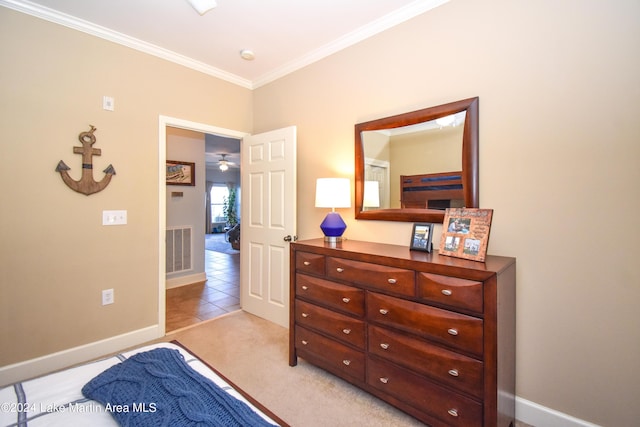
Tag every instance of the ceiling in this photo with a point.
(285, 35)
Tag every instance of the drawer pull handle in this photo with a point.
(305, 342)
(384, 345)
(347, 362)
(453, 372)
(384, 311)
(446, 292)
(453, 412)
(392, 281)
(307, 263)
(305, 314)
(339, 269)
(384, 380)
(305, 287)
(346, 300)
(453, 332)
(346, 331)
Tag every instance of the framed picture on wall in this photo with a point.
(421, 237)
(465, 233)
(181, 173)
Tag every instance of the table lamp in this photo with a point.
(333, 193)
(371, 197)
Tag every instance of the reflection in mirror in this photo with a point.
(390, 154)
(412, 166)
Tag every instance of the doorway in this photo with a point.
(220, 294)
(226, 267)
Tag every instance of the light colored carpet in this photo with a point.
(253, 353)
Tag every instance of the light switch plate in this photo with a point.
(114, 217)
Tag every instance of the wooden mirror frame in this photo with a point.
(469, 160)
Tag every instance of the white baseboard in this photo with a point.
(185, 280)
(52, 362)
(540, 416)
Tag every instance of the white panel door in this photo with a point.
(268, 215)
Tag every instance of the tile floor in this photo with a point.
(220, 294)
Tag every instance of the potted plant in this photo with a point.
(229, 206)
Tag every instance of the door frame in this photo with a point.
(163, 123)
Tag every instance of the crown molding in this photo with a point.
(397, 17)
(69, 21)
(388, 21)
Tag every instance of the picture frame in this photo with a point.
(421, 237)
(180, 173)
(465, 233)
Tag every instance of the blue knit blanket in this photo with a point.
(158, 388)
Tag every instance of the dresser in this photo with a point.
(431, 335)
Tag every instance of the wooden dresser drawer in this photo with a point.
(459, 371)
(339, 326)
(391, 279)
(452, 291)
(341, 297)
(440, 347)
(333, 356)
(453, 329)
(310, 263)
(439, 402)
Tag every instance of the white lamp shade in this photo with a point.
(333, 193)
(371, 197)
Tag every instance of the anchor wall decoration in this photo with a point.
(86, 185)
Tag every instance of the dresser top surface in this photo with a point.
(379, 251)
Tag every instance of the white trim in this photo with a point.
(397, 17)
(198, 127)
(176, 282)
(537, 415)
(51, 362)
(162, 221)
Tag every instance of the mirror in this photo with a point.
(411, 167)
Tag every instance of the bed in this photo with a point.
(159, 384)
(434, 190)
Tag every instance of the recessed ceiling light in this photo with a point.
(247, 54)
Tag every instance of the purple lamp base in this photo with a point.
(333, 226)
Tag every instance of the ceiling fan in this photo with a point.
(224, 163)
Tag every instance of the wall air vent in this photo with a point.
(179, 249)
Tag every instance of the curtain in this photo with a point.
(208, 226)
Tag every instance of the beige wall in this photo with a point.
(559, 149)
(559, 135)
(55, 255)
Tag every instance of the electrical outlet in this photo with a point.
(107, 297)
